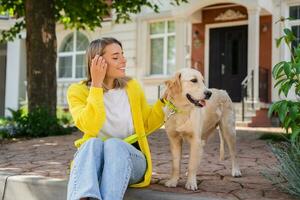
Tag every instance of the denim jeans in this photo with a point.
(103, 170)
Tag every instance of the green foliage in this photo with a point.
(288, 177)
(64, 117)
(88, 14)
(287, 76)
(278, 137)
(37, 123)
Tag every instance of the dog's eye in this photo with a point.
(194, 80)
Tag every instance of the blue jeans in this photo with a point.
(103, 170)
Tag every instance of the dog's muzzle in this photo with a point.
(199, 103)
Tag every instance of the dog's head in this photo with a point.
(187, 86)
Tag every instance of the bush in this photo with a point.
(287, 76)
(37, 123)
(288, 156)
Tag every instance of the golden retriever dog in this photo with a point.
(192, 113)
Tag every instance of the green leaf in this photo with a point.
(297, 90)
(297, 51)
(274, 108)
(289, 35)
(297, 67)
(280, 81)
(287, 86)
(287, 31)
(282, 111)
(287, 68)
(276, 67)
(278, 41)
(293, 111)
(295, 133)
(279, 73)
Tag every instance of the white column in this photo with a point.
(13, 74)
(280, 8)
(181, 42)
(253, 47)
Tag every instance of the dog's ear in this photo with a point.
(175, 84)
(178, 78)
(178, 81)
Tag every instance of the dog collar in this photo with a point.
(171, 106)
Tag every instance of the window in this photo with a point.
(71, 56)
(162, 48)
(295, 23)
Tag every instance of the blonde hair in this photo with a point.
(97, 47)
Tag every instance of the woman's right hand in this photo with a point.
(98, 71)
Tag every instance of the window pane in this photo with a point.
(158, 27)
(157, 52)
(171, 26)
(80, 66)
(171, 55)
(81, 42)
(65, 67)
(68, 44)
(295, 12)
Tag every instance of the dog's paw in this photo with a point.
(236, 173)
(191, 185)
(172, 182)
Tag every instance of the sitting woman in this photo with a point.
(111, 109)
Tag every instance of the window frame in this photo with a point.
(165, 36)
(73, 54)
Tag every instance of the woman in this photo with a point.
(115, 117)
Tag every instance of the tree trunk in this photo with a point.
(41, 47)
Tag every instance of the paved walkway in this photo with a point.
(51, 156)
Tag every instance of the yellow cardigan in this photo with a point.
(87, 108)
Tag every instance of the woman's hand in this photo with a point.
(98, 71)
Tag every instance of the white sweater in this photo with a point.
(118, 121)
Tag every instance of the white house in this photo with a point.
(230, 41)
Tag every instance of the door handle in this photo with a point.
(223, 69)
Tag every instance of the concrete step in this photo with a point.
(29, 187)
(242, 123)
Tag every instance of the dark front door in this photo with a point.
(2, 78)
(228, 59)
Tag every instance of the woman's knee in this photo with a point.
(115, 147)
(113, 143)
(93, 143)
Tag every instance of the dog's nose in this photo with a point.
(207, 94)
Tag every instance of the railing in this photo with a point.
(249, 80)
(62, 87)
(61, 90)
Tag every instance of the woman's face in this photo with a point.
(116, 62)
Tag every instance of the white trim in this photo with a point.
(218, 7)
(161, 35)
(206, 43)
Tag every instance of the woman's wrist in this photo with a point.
(98, 85)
